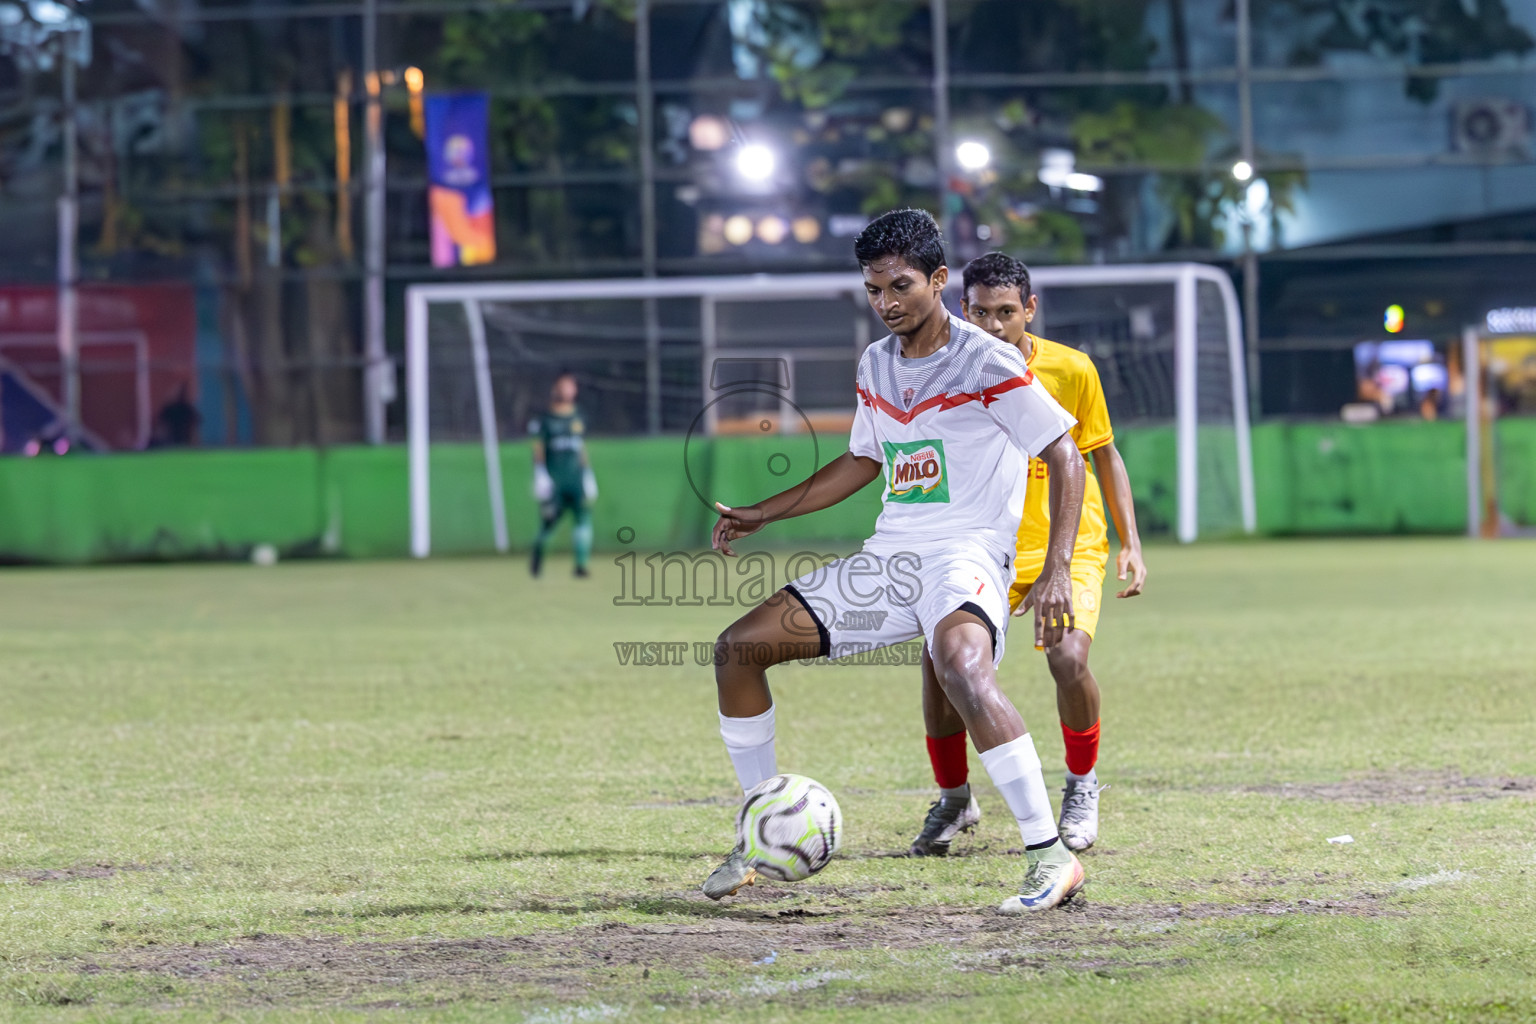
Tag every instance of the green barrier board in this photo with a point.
(1394, 477)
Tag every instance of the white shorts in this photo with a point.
(867, 600)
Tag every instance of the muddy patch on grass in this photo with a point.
(101, 869)
(1443, 787)
(582, 962)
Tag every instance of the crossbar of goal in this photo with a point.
(1184, 278)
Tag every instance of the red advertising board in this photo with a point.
(137, 353)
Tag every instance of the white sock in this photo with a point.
(960, 794)
(1091, 778)
(1015, 771)
(749, 741)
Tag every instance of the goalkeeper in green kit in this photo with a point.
(562, 479)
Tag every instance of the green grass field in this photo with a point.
(430, 791)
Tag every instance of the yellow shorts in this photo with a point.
(1087, 591)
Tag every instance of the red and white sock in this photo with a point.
(749, 741)
(1082, 751)
(1015, 770)
(951, 766)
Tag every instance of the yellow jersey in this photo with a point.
(1072, 380)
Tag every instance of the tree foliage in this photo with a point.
(1417, 32)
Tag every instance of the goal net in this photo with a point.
(777, 353)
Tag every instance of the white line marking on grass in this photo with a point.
(768, 987)
(574, 1014)
(1438, 878)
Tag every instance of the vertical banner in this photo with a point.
(459, 169)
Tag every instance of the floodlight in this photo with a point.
(738, 229)
(772, 229)
(1056, 167)
(1242, 170)
(972, 155)
(708, 132)
(756, 162)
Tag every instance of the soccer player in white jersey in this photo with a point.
(951, 415)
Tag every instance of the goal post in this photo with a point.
(1226, 341)
(1496, 367)
(1175, 327)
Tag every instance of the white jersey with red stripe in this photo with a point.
(954, 431)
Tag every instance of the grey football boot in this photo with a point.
(1079, 824)
(946, 819)
(733, 874)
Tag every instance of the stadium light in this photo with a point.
(738, 229)
(1242, 170)
(972, 155)
(1058, 170)
(756, 162)
(1056, 167)
(772, 229)
(708, 132)
(416, 84)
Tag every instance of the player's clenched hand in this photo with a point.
(1130, 561)
(1051, 598)
(733, 524)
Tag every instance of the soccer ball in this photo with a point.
(789, 827)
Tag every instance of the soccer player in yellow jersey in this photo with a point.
(997, 298)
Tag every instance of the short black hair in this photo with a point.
(996, 270)
(911, 234)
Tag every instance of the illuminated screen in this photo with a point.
(1396, 375)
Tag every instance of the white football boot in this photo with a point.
(1054, 876)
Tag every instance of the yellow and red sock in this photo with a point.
(1082, 748)
(951, 769)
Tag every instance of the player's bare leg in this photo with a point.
(956, 809)
(778, 630)
(1077, 702)
(963, 666)
(1077, 691)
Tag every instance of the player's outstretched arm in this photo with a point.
(1051, 596)
(1117, 495)
(842, 477)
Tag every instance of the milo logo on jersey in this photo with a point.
(917, 471)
